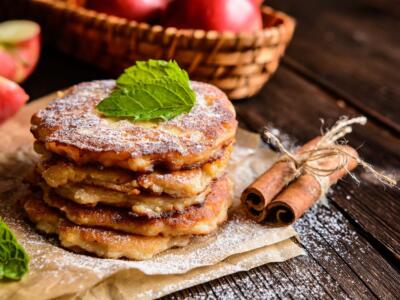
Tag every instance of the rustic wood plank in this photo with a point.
(389, 7)
(331, 227)
(340, 264)
(352, 49)
(294, 105)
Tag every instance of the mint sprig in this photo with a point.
(154, 89)
(14, 261)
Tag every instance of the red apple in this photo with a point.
(220, 15)
(258, 2)
(8, 64)
(12, 98)
(138, 10)
(19, 48)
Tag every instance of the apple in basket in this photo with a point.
(258, 2)
(12, 98)
(19, 48)
(138, 10)
(219, 15)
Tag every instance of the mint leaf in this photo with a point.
(14, 261)
(152, 69)
(150, 90)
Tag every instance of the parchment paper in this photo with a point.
(238, 245)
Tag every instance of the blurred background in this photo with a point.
(351, 48)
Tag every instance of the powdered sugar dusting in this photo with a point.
(327, 236)
(73, 120)
(76, 272)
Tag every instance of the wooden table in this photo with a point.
(344, 60)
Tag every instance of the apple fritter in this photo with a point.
(72, 127)
(151, 206)
(196, 219)
(101, 242)
(186, 183)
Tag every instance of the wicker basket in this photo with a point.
(239, 64)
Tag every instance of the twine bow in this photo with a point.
(309, 161)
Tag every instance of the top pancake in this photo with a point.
(71, 126)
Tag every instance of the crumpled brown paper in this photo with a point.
(132, 284)
(238, 245)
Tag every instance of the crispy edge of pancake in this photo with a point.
(215, 137)
(179, 184)
(142, 205)
(148, 163)
(197, 219)
(101, 242)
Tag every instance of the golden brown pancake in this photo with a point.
(102, 242)
(197, 219)
(187, 183)
(142, 205)
(71, 126)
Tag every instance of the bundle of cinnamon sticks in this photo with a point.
(296, 181)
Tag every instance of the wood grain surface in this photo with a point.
(344, 60)
(352, 49)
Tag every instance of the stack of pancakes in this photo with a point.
(118, 188)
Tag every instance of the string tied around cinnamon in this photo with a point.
(327, 146)
(298, 179)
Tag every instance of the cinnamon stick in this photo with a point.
(285, 191)
(259, 194)
(302, 193)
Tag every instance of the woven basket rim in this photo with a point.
(286, 21)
